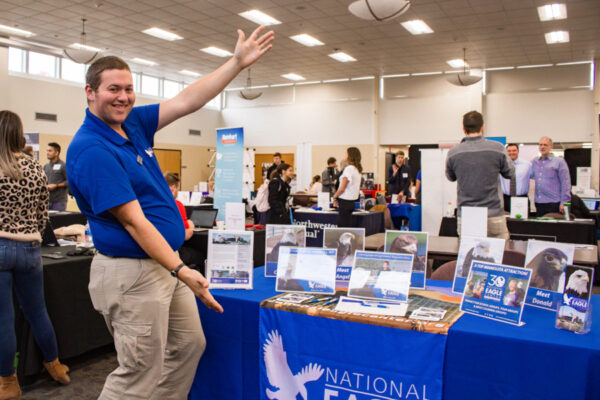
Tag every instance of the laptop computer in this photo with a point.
(590, 203)
(203, 219)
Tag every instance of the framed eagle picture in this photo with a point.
(409, 242)
(547, 262)
(471, 249)
(346, 241)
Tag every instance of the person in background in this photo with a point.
(552, 180)
(399, 176)
(279, 191)
(138, 282)
(276, 162)
(418, 188)
(56, 172)
(348, 193)
(518, 186)
(23, 216)
(28, 150)
(315, 186)
(329, 176)
(475, 164)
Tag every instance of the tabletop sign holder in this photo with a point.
(410, 242)
(306, 269)
(575, 309)
(229, 263)
(278, 236)
(347, 241)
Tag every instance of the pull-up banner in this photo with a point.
(229, 168)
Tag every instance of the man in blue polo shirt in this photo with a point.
(137, 281)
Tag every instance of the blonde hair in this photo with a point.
(12, 141)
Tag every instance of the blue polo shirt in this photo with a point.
(106, 170)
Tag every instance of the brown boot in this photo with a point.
(58, 371)
(9, 388)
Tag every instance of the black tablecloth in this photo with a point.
(199, 241)
(66, 218)
(561, 231)
(78, 327)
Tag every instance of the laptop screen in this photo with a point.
(204, 218)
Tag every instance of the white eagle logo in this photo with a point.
(280, 375)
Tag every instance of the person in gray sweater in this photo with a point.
(475, 164)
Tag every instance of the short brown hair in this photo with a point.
(172, 178)
(331, 160)
(93, 77)
(399, 153)
(512, 145)
(278, 154)
(472, 122)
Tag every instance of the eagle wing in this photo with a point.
(278, 370)
(309, 373)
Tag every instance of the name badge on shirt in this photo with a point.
(405, 175)
(140, 160)
(56, 167)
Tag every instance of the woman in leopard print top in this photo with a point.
(23, 215)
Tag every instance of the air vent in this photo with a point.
(195, 132)
(45, 117)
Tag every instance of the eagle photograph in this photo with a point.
(579, 281)
(346, 241)
(283, 235)
(477, 249)
(548, 261)
(404, 242)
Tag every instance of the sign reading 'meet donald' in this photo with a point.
(229, 166)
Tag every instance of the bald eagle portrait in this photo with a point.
(546, 268)
(345, 249)
(287, 239)
(481, 252)
(408, 244)
(578, 283)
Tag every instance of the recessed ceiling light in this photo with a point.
(499, 68)
(162, 34)
(80, 46)
(15, 31)
(362, 78)
(534, 66)
(215, 51)
(395, 76)
(259, 17)
(307, 40)
(544, 89)
(293, 77)
(457, 63)
(308, 83)
(342, 57)
(551, 12)
(281, 84)
(417, 27)
(143, 62)
(574, 63)
(336, 80)
(190, 73)
(426, 73)
(557, 37)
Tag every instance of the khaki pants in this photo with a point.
(155, 324)
(496, 227)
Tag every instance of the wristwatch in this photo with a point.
(176, 270)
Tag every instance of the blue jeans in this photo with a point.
(21, 264)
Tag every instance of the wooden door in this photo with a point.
(169, 160)
(262, 162)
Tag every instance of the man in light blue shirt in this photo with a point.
(552, 180)
(521, 179)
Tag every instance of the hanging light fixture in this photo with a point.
(379, 10)
(465, 78)
(81, 53)
(248, 93)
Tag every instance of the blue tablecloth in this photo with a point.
(406, 210)
(484, 359)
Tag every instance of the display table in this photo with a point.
(583, 231)
(316, 221)
(405, 210)
(484, 359)
(66, 218)
(78, 327)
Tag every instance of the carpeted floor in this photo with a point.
(87, 379)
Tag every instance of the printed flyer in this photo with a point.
(277, 236)
(409, 242)
(381, 276)
(229, 263)
(574, 310)
(346, 241)
(306, 269)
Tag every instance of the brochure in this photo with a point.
(475, 249)
(414, 243)
(496, 291)
(323, 200)
(347, 304)
(347, 241)
(277, 236)
(574, 310)
(547, 262)
(519, 207)
(381, 276)
(229, 263)
(306, 269)
(235, 216)
(473, 221)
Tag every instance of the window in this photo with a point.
(170, 88)
(16, 59)
(136, 81)
(42, 64)
(150, 85)
(71, 71)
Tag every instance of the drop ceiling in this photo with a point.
(496, 33)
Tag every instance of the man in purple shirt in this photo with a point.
(552, 180)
